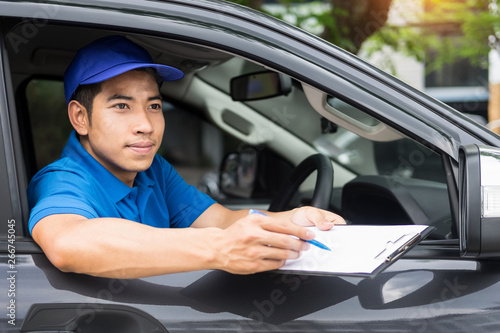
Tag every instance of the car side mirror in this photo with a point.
(255, 86)
(238, 173)
(479, 201)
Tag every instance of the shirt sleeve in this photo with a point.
(185, 202)
(69, 197)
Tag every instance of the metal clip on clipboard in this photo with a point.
(400, 250)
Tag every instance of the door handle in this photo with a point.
(89, 318)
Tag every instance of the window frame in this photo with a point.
(12, 161)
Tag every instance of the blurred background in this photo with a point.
(446, 48)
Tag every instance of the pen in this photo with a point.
(313, 242)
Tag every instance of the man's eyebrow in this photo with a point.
(152, 98)
(118, 96)
(130, 98)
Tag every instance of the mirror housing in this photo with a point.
(238, 173)
(261, 85)
(479, 201)
(253, 172)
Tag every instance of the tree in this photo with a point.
(471, 31)
(455, 29)
(346, 23)
(450, 29)
(354, 21)
(437, 24)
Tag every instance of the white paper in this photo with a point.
(355, 249)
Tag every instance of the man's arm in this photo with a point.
(277, 222)
(111, 247)
(221, 217)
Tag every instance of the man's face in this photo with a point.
(127, 124)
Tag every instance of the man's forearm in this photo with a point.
(119, 248)
(111, 247)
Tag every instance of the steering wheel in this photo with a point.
(322, 190)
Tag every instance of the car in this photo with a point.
(259, 98)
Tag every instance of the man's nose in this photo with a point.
(142, 122)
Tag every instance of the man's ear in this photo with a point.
(78, 117)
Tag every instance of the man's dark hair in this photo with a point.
(86, 93)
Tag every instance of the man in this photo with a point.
(111, 207)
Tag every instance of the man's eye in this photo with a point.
(121, 106)
(155, 106)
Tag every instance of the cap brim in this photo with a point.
(166, 73)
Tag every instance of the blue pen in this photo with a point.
(313, 242)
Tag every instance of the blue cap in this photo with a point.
(108, 57)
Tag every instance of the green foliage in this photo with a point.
(405, 40)
(317, 17)
(453, 29)
(336, 32)
(450, 29)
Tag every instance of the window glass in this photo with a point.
(399, 180)
(460, 73)
(402, 158)
(194, 147)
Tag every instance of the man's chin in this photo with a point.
(140, 166)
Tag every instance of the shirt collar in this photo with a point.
(116, 189)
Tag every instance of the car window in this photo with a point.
(379, 179)
(401, 157)
(381, 175)
(392, 154)
(194, 147)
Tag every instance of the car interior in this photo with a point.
(237, 148)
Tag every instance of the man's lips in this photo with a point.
(142, 147)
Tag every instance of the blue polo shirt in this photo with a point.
(78, 184)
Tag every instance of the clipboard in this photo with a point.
(357, 250)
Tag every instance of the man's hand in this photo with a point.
(258, 243)
(249, 243)
(311, 216)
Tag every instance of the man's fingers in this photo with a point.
(284, 227)
(327, 220)
(275, 253)
(311, 216)
(259, 243)
(285, 242)
(334, 218)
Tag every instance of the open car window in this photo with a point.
(380, 175)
